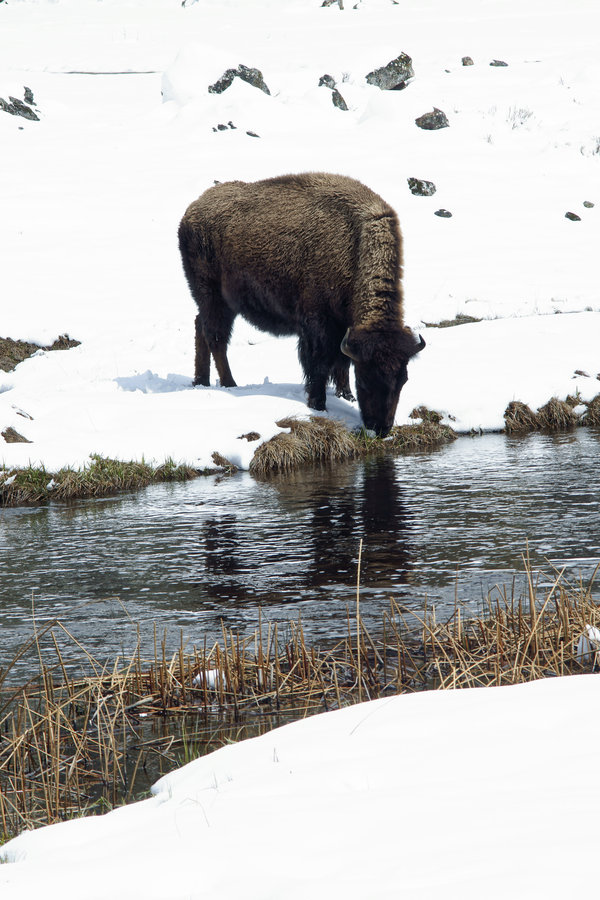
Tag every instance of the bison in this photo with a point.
(316, 255)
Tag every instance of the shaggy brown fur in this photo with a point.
(316, 255)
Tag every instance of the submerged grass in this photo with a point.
(75, 745)
(100, 478)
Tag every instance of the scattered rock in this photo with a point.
(573, 217)
(443, 213)
(327, 81)
(13, 437)
(247, 74)
(251, 436)
(467, 61)
(16, 107)
(588, 204)
(498, 62)
(340, 3)
(582, 373)
(394, 76)
(29, 97)
(421, 188)
(338, 100)
(252, 134)
(432, 121)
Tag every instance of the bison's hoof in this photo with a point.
(200, 382)
(319, 405)
(346, 395)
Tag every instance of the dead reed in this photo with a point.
(72, 745)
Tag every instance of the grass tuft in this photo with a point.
(323, 440)
(100, 478)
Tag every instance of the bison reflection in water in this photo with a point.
(316, 255)
(322, 514)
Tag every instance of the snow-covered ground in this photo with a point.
(457, 794)
(93, 192)
(488, 793)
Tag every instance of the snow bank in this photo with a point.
(487, 792)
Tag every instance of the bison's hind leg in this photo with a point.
(340, 375)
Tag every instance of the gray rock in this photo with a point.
(18, 108)
(421, 188)
(395, 76)
(443, 213)
(467, 61)
(498, 62)
(338, 100)
(327, 81)
(247, 74)
(340, 3)
(573, 217)
(433, 121)
(29, 97)
(588, 204)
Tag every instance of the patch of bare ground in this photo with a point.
(14, 352)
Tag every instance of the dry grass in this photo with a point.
(76, 745)
(320, 440)
(555, 415)
(100, 478)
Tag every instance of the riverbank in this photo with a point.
(78, 745)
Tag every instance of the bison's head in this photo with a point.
(380, 365)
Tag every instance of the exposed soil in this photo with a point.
(14, 352)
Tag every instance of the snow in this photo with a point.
(481, 792)
(462, 794)
(94, 191)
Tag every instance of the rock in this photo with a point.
(467, 61)
(395, 76)
(13, 437)
(573, 217)
(340, 3)
(29, 97)
(443, 213)
(327, 81)
(498, 62)
(421, 188)
(433, 121)
(338, 100)
(252, 134)
(250, 76)
(588, 204)
(18, 108)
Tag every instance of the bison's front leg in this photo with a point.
(341, 378)
(315, 361)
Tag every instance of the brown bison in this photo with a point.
(315, 255)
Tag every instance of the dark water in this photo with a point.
(435, 527)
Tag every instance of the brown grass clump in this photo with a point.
(556, 415)
(317, 439)
(323, 440)
(519, 417)
(592, 414)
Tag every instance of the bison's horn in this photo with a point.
(346, 349)
(421, 343)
